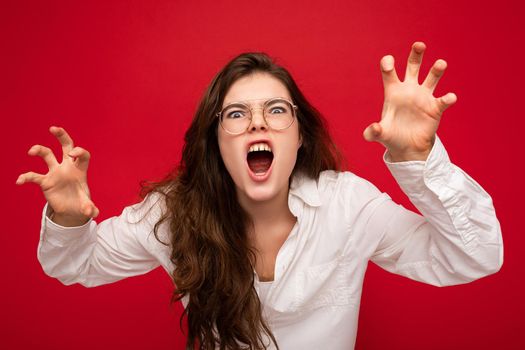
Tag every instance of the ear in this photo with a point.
(300, 143)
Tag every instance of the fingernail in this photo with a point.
(420, 47)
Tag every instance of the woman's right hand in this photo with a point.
(65, 184)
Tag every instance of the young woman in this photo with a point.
(266, 240)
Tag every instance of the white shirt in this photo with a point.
(343, 221)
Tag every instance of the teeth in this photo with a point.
(259, 147)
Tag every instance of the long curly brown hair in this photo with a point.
(213, 258)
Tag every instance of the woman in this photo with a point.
(266, 241)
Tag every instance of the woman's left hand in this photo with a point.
(411, 114)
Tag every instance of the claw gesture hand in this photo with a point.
(411, 113)
(65, 185)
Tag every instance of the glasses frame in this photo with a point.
(250, 108)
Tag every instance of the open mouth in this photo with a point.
(260, 158)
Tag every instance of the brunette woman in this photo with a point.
(265, 238)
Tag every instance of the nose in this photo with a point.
(257, 122)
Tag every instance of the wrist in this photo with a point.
(68, 221)
(410, 154)
(407, 156)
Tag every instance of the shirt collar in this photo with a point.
(305, 188)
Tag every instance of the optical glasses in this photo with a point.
(278, 114)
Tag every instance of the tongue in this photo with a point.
(259, 162)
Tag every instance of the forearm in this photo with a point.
(459, 238)
(93, 254)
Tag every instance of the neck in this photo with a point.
(267, 213)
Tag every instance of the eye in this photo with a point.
(234, 114)
(277, 107)
(277, 110)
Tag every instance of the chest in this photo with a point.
(268, 243)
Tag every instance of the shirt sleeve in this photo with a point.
(96, 254)
(458, 238)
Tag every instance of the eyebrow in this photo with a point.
(256, 99)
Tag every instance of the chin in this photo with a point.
(260, 192)
(264, 191)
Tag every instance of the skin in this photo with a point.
(65, 184)
(411, 113)
(408, 125)
(266, 202)
(263, 200)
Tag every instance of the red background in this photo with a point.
(124, 78)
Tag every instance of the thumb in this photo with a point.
(446, 101)
(95, 211)
(373, 132)
(89, 209)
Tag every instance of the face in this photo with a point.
(253, 179)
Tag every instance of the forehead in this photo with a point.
(254, 87)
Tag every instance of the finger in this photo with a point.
(446, 101)
(30, 177)
(414, 61)
(45, 153)
(388, 70)
(373, 132)
(89, 209)
(436, 72)
(95, 212)
(64, 138)
(82, 155)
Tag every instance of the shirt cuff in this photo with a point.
(59, 235)
(410, 175)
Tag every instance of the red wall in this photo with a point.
(124, 77)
